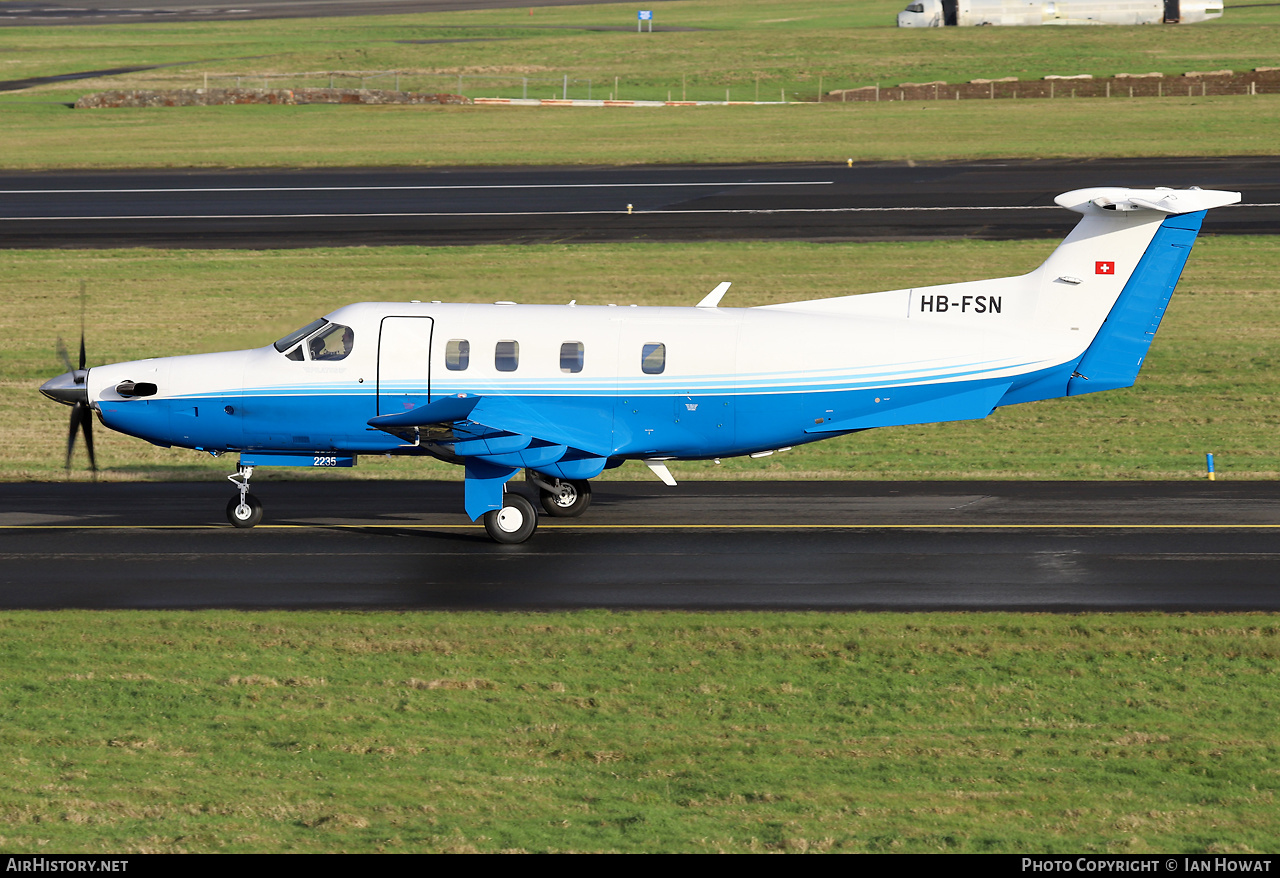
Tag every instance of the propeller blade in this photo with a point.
(86, 420)
(81, 412)
(71, 433)
(63, 356)
(81, 420)
(82, 309)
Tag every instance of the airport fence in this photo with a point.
(762, 89)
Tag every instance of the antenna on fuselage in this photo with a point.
(712, 299)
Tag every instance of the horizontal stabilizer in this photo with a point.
(1107, 199)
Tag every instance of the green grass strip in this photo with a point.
(51, 136)
(595, 731)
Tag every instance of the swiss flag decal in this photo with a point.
(1104, 268)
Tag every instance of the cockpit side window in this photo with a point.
(916, 7)
(334, 343)
(298, 335)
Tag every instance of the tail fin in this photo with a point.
(1086, 316)
(1115, 220)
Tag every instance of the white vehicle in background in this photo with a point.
(1024, 13)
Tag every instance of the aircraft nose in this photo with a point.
(68, 388)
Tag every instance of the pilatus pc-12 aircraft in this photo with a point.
(567, 391)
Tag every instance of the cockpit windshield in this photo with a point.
(334, 343)
(298, 335)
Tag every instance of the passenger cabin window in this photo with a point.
(571, 356)
(298, 335)
(506, 356)
(457, 354)
(334, 343)
(653, 358)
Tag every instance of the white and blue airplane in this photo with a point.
(567, 391)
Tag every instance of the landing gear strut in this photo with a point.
(243, 510)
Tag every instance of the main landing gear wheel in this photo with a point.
(244, 512)
(569, 500)
(515, 522)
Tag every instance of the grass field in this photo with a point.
(765, 48)
(215, 731)
(47, 137)
(1210, 383)
(732, 43)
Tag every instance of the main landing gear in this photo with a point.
(244, 509)
(563, 498)
(569, 499)
(516, 521)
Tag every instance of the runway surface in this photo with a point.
(268, 209)
(84, 12)
(1056, 547)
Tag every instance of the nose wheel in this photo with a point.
(244, 509)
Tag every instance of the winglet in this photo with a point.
(659, 467)
(712, 299)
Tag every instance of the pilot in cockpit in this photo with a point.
(333, 345)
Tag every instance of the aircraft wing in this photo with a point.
(551, 421)
(559, 423)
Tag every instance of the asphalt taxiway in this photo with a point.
(1028, 546)
(816, 202)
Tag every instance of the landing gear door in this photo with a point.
(404, 364)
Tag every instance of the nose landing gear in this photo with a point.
(244, 509)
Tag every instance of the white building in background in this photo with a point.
(970, 13)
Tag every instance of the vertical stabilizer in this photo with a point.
(1169, 220)
(1119, 348)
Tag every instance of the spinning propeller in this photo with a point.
(71, 389)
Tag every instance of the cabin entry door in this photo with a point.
(404, 364)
